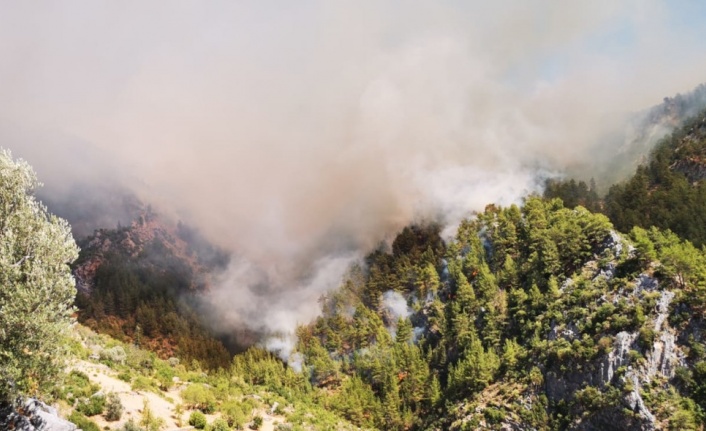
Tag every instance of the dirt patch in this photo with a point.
(133, 401)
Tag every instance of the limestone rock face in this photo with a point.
(616, 368)
(33, 415)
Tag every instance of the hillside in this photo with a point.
(139, 283)
(533, 317)
(538, 317)
(668, 191)
(620, 152)
(111, 385)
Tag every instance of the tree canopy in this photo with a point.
(36, 286)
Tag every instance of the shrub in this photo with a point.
(78, 386)
(142, 383)
(235, 413)
(256, 422)
(114, 408)
(92, 406)
(125, 377)
(218, 425)
(83, 422)
(130, 425)
(115, 355)
(199, 397)
(165, 377)
(493, 415)
(647, 337)
(149, 421)
(197, 420)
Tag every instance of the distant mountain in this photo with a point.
(667, 191)
(620, 151)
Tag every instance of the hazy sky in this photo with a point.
(294, 133)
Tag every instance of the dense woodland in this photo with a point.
(149, 297)
(668, 191)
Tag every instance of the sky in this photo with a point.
(299, 135)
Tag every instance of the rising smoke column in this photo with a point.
(301, 136)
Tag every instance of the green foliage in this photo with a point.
(77, 386)
(142, 383)
(149, 421)
(143, 294)
(130, 425)
(574, 193)
(218, 425)
(83, 422)
(91, 406)
(199, 396)
(197, 420)
(493, 415)
(667, 191)
(256, 422)
(36, 286)
(357, 402)
(114, 407)
(115, 355)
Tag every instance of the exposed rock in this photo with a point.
(646, 283)
(637, 404)
(33, 415)
(613, 243)
(619, 357)
(694, 168)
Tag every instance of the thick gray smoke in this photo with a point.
(298, 135)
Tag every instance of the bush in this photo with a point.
(125, 377)
(130, 425)
(235, 413)
(114, 408)
(149, 421)
(197, 420)
(199, 397)
(78, 386)
(165, 376)
(115, 355)
(92, 406)
(218, 425)
(493, 415)
(83, 422)
(647, 337)
(142, 383)
(256, 422)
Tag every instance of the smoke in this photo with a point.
(396, 305)
(299, 136)
(272, 301)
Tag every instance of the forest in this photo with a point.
(567, 311)
(540, 315)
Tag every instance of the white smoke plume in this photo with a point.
(396, 305)
(298, 135)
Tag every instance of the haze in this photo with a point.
(299, 135)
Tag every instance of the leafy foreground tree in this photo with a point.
(36, 286)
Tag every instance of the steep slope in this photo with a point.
(668, 191)
(636, 136)
(539, 317)
(138, 283)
